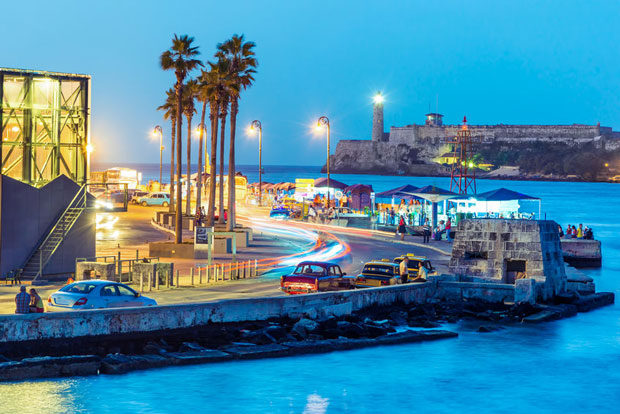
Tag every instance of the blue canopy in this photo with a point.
(399, 192)
(503, 194)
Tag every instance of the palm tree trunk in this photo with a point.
(214, 122)
(199, 177)
(222, 142)
(188, 195)
(178, 224)
(234, 107)
(174, 130)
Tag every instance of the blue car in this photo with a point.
(155, 199)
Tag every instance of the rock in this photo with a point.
(375, 331)
(594, 301)
(398, 318)
(489, 328)
(258, 351)
(120, 364)
(42, 367)
(154, 348)
(350, 330)
(278, 332)
(329, 323)
(566, 297)
(190, 346)
(422, 323)
(305, 326)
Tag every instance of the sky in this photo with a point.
(510, 62)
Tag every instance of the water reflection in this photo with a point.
(50, 397)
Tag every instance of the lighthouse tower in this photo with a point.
(377, 118)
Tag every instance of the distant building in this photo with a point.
(44, 125)
(434, 119)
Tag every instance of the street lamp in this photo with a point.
(324, 122)
(256, 125)
(161, 148)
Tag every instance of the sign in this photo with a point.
(338, 194)
(201, 235)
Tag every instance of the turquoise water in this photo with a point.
(567, 366)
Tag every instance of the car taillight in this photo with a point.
(49, 300)
(384, 282)
(80, 302)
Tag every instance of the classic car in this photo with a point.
(378, 273)
(414, 265)
(311, 277)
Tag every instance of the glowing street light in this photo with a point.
(256, 125)
(378, 99)
(156, 130)
(321, 123)
(89, 148)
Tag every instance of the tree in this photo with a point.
(170, 113)
(203, 94)
(181, 59)
(241, 57)
(189, 109)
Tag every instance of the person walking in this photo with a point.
(36, 303)
(22, 301)
(401, 228)
(404, 270)
(426, 231)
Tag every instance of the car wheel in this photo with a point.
(144, 204)
(165, 204)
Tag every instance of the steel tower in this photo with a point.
(463, 175)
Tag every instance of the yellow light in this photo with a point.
(89, 148)
(15, 129)
(154, 133)
(250, 130)
(471, 164)
(318, 127)
(606, 164)
(378, 99)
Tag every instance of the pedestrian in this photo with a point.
(569, 231)
(426, 231)
(404, 270)
(422, 271)
(36, 303)
(198, 219)
(574, 232)
(580, 231)
(448, 228)
(560, 231)
(401, 228)
(22, 301)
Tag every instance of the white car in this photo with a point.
(96, 294)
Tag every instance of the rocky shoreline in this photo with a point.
(278, 337)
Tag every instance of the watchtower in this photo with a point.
(463, 175)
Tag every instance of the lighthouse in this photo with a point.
(377, 118)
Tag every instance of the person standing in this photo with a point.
(404, 270)
(580, 231)
(422, 271)
(22, 301)
(448, 228)
(426, 231)
(36, 303)
(401, 228)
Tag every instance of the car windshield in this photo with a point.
(310, 269)
(83, 288)
(378, 269)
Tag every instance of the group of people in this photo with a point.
(573, 232)
(28, 302)
(201, 216)
(444, 227)
(409, 212)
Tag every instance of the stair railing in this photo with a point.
(78, 201)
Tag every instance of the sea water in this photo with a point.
(567, 366)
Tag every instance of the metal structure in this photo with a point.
(44, 125)
(463, 175)
(324, 122)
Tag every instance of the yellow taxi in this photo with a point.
(378, 273)
(414, 266)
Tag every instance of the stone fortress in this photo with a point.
(416, 149)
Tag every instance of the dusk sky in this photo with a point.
(521, 62)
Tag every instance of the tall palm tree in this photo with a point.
(189, 109)
(180, 58)
(170, 113)
(203, 95)
(224, 99)
(243, 63)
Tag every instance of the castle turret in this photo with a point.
(377, 118)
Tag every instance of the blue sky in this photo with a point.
(494, 61)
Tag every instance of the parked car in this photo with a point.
(378, 273)
(96, 294)
(155, 199)
(615, 179)
(139, 194)
(414, 265)
(311, 277)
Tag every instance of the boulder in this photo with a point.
(304, 326)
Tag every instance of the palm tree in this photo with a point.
(189, 109)
(180, 58)
(170, 107)
(243, 63)
(203, 95)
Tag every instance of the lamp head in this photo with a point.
(378, 99)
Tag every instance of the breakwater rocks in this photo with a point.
(279, 337)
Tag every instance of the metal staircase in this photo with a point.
(38, 259)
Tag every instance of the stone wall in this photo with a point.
(502, 251)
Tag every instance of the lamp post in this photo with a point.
(161, 148)
(324, 122)
(256, 124)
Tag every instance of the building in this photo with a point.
(45, 217)
(45, 125)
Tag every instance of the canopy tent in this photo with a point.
(255, 185)
(285, 186)
(434, 195)
(322, 182)
(503, 194)
(504, 201)
(360, 196)
(397, 192)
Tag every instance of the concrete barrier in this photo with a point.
(581, 252)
